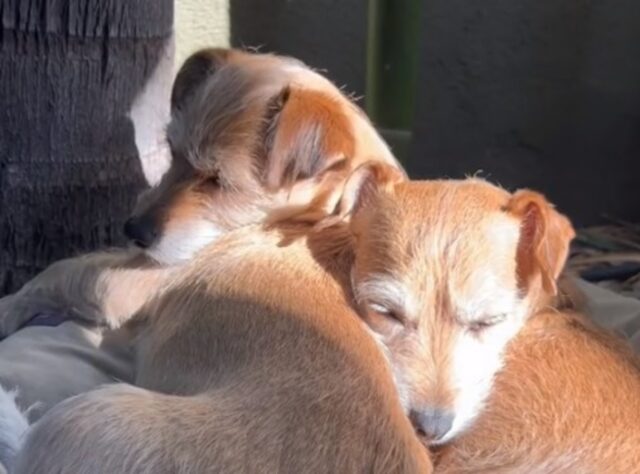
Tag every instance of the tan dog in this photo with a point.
(264, 133)
(448, 273)
(469, 247)
(251, 134)
(251, 361)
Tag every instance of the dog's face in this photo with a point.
(251, 135)
(446, 273)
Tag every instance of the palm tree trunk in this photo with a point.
(69, 167)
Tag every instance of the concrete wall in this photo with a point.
(536, 93)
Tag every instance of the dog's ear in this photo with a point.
(194, 71)
(355, 193)
(545, 235)
(308, 132)
(364, 184)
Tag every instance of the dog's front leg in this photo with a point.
(17, 310)
(104, 288)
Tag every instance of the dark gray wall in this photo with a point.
(326, 34)
(539, 93)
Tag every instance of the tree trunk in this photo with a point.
(69, 167)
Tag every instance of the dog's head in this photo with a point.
(251, 135)
(445, 274)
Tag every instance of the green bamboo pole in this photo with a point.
(373, 51)
(392, 62)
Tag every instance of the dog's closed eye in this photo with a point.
(390, 314)
(485, 323)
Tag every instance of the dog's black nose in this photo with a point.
(434, 423)
(141, 230)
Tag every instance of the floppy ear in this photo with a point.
(545, 235)
(364, 184)
(308, 132)
(194, 71)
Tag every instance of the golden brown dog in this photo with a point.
(263, 133)
(457, 279)
(463, 244)
(252, 360)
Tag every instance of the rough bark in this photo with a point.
(69, 167)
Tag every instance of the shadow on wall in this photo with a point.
(542, 94)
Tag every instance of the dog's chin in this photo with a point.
(180, 246)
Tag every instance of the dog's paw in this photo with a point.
(6, 320)
(18, 309)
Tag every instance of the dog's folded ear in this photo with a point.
(308, 132)
(194, 71)
(310, 150)
(365, 183)
(358, 192)
(545, 235)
